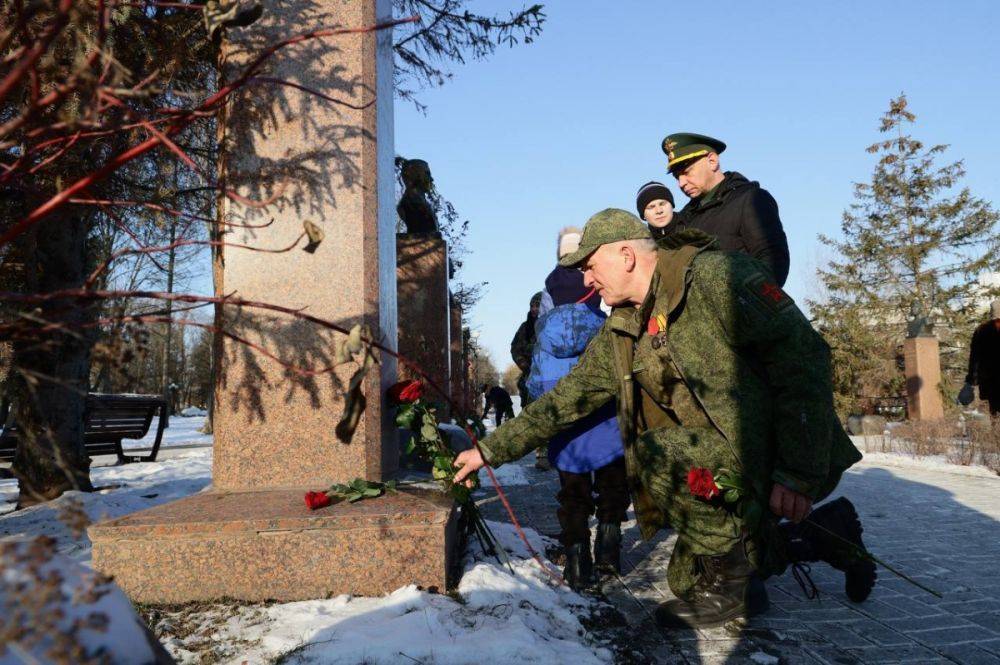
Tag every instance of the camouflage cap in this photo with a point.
(685, 146)
(609, 225)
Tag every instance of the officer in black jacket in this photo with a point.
(738, 212)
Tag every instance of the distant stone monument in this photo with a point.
(458, 390)
(922, 366)
(424, 309)
(252, 537)
(414, 209)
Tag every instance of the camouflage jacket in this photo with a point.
(747, 356)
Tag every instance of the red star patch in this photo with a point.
(772, 291)
(652, 326)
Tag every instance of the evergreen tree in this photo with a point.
(911, 242)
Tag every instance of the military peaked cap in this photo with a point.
(684, 147)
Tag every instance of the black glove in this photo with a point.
(966, 394)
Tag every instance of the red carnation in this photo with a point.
(702, 483)
(405, 392)
(317, 500)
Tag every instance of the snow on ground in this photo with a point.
(183, 430)
(126, 489)
(81, 598)
(496, 617)
(908, 460)
(182, 433)
(509, 474)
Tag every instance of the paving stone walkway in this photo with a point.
(943, 529)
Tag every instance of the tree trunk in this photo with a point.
(52, 372)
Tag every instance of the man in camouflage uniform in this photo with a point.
(712, 366)
(521, 349)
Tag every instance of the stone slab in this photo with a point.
(266, 545)
(424, 311)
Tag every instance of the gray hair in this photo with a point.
(643, 245)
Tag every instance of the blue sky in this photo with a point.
(544, 135)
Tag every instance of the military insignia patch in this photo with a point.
(766, 294)
(772, 291)
(668, 147)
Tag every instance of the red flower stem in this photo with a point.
(510, 511)
(868, 555)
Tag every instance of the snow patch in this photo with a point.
(928, 463)
(107, 625)
(496, 617)
(506, 475)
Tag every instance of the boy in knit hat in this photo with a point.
(655, 204)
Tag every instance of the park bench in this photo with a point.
(107, 419)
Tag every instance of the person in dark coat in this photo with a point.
(523, 343)
(738, 212)
(521, 348)
(499, 399)
(589, 457)
(984, 360)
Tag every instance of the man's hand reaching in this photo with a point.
(468, 462)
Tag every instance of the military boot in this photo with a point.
(608, 548)
(813, 540)
(727, 589)
(579, 570)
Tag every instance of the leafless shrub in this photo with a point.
(924, 438)
(981, 445)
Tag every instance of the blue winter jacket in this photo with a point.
(562, 335)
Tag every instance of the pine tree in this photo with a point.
(911, 239)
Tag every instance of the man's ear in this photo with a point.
(628, 253)
(713, 161)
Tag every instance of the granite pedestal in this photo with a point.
(251, 537)
(424, 308)
(922, 365)
(458, 387)
(267, 545)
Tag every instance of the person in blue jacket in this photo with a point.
(589, 457)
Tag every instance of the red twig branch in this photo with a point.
(211, 103)
(37, 50)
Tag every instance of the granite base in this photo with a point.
(266, 545)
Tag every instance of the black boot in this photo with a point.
(608, 548)
(807, 542)
(727, 589)
(579, 570)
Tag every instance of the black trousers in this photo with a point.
(499, 412)
(577, 502)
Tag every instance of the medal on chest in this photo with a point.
(656, 328)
